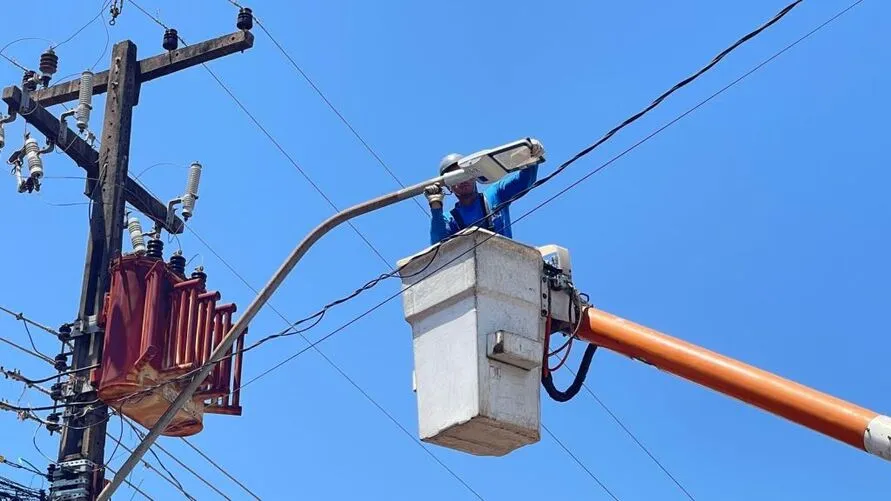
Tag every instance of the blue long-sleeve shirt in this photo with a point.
(443, 225)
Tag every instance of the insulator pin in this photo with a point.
(155, 248)
(245, 19)
(136, 236)
(84, 100)
(32, 156)
(171, 40)
(177, 264)
(49, 64)
(191, 194)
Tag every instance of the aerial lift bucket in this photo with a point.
(475, 309)
(478, 309)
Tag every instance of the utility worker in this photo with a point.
(473, 206)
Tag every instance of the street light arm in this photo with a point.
(260, 301)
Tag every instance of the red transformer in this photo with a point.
(159, 327)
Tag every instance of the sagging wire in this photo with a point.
(220, 468)
(656, 102)
(105, 49)
(16, 375)
(330, 362)
(23, 318)
(85, 26)
(23, 39)
(30, 468)
(331, 106)
(579, 462)
(574, 184)
(177, 460)
(136, 488)
(15, 491)
(585, 151)
(543, 180)
(42, 423)
(30, 338)
(317, 317)
(61, 374)
(29, 352)
(172, 480)
(33, 469)
(272, 139)
(623, 153)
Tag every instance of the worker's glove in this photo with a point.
(434, 196)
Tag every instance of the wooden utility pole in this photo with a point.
(87, 439)
(79, 474)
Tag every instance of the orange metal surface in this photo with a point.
(808, 407)
(159, 326)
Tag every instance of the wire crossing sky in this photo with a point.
(731, 229)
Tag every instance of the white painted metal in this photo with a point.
(877, 438)
(514, 349)
(467, 400)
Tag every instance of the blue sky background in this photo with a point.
(757, 227)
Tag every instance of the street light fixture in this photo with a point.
(487, 166)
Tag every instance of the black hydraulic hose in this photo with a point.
(547, 380)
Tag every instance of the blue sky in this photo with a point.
(757, 227)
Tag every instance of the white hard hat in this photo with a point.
(448, 161)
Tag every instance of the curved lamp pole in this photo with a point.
(486, 165)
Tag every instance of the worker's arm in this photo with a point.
(441, 225)
(512, 184)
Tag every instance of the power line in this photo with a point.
(579, 462)
(88, 23)
(16, 375)
(29, 352)
(318, 317)
(135, 488)
(23, 318)
(31, 338)
(331, 203)
(134, 492)
(15, 491)
(34, 441)
(17, 466)
(633, 118)
(603, 139)
(293, 162)
(61, 374)
(273, 141)
(563, 166)
(577, 182)
(334, 109)
(13, 62)
(220, 468)
(185, 466)
(171, 480)
(563, 191)
(635, 439)
(640, 114)
(107, 43)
